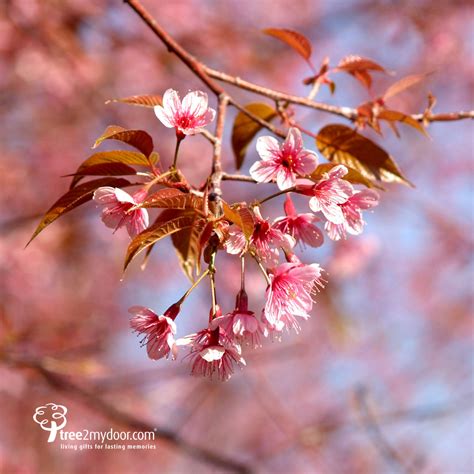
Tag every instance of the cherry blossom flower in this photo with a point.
(352, 212)
(328, 193)
(299, 226)
(117, 209)
(159, 330)
(212, 352)
(241, 324)
(284, 162)
(289, 293)
(265, 239)
(188, 116)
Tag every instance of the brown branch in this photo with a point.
(258, 119)
(90, 400)
(207, 74)
(174, 47)
(237, 177)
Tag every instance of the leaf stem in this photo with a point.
(194, 285)
(279, 193)
(212, 272)
(262, 268)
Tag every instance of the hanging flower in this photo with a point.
(117, 209)
(159, 330)
(299, 226)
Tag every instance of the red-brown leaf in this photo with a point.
(141, 100)
(241, 217)
(403, 84)
(110, 157)
(295, 40)
(359, 67)
(174, 199)
(341, 144)
(156, 232)
(245, 129)
(394, 116)
(139, 139)
(74, 198)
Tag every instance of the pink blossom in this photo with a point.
(159, 331)
(241, 324)
(289, 293)
(328, 193)
(213, 352)
(265, 239)
(284, 162)
(187, 116)
(299, 226)
(352, 212)
(117, 209)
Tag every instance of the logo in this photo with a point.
(51, 417)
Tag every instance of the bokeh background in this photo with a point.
(381, 378)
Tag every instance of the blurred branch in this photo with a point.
(91, 400)
(383, 446)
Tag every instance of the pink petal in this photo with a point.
(285, 178)
(123, 196)
(166, 119)
(268, 148)
(171, 103)
(105, 195)
(263, 171)
(194, 103)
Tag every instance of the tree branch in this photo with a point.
(91, 400)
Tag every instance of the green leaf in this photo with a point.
(139, 139)
(292, 38)
(160, 229)
(74, 198)
(141, 100)
(341, 144)
(117, 156)
(245, 129)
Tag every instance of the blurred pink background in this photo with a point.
(394, 323)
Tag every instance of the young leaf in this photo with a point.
(241, 217)
(189, 243)
(174, 199)
(359, 68)
(139, 139)
(353, 176)
(116, 156)
(105, 169)
(403, 84)
(394, 116)
(141, 100)
(156, 232)
(295, 40)
(74, 198)
(341, 144)
(245, 129)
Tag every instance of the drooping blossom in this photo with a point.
(117, 209)
(212, 353)
(265, 240)
(159, 330)
(289, 294)
(188, 116)
(299, 226)
(241, 324)
(353, 222)
(283, 162)
(328, 193)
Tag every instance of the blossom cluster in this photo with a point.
(291, 284)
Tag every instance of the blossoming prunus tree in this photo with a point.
(129, 185)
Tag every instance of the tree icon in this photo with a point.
(51, 417)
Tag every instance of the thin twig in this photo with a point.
(237, 177)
